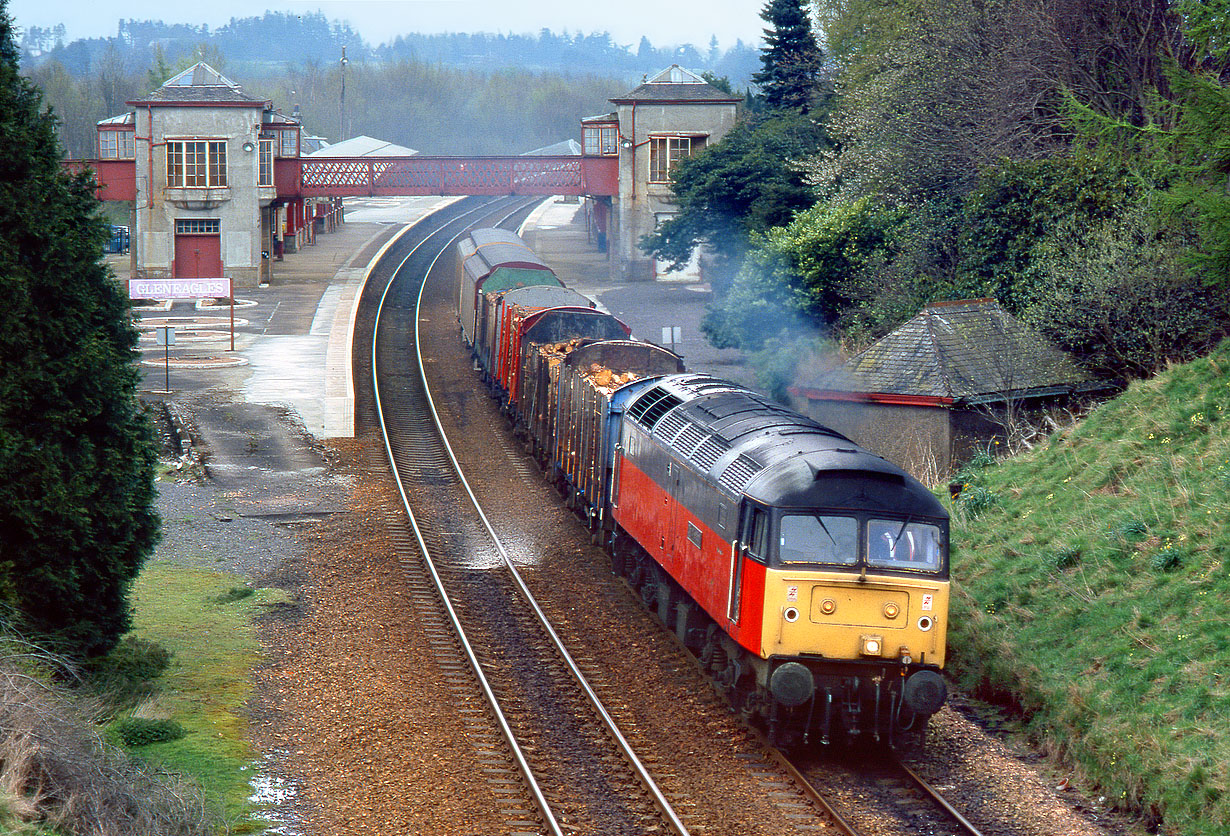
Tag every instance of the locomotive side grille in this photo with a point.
(709, 452)
(738, 473)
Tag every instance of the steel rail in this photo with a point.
(476, 666)
(935, 796)
(659, 799)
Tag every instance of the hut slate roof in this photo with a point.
(971, 351)
(200, 84)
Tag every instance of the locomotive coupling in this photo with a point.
(925, 691)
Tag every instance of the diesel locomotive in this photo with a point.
(808, 575)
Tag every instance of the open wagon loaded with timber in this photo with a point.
(596, 382)
(526, 332)
(538, 409)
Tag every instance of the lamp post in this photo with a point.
(342, 128)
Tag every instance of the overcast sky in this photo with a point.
(380, 21)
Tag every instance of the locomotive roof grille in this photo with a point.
(690, 439)
(669, 426)
(650, 407)
(738, 473)
(709, 452)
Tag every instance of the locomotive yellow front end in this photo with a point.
(837, 616)
(855, 621)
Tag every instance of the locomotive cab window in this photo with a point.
(901, 544)
(757, 535)
(818, 538)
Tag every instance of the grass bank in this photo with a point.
(1093, 593)
(206, 620)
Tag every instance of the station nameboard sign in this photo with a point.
(179, 288)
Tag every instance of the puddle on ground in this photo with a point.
(276, 799)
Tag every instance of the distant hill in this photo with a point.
(443, 94)
(1092, 593)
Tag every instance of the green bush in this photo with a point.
(808, 272)
(127, 673)
(137, 731)
(1119, 296)
(1017, 204)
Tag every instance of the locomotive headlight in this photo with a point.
(828, 606)
(891, 610)
(871, 645)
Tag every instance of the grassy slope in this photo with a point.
(1094, 592)
(209, 681)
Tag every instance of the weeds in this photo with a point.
(976, 500)
(126, 675)
(1066, 558)
(138, 731)
(56, 770)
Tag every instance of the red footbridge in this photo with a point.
(304, 177)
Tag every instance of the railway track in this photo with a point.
(880, 795)
(574, 772)
(542, 737)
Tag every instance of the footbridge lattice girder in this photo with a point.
(423, 175)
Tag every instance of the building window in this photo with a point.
(266, 163)
(665, 151)
(601, 141)
(113, 145)
(197, 226)
(290, 144)
(196, 163)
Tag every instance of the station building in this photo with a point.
(204, 198)
(672, 115)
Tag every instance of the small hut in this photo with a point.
(956, 378)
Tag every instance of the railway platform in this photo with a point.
(292, 337)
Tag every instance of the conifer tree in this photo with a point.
(76, 453)
(791, 56)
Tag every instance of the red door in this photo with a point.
(198, 256)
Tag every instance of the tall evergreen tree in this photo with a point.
(791, 57)
(76, 453)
